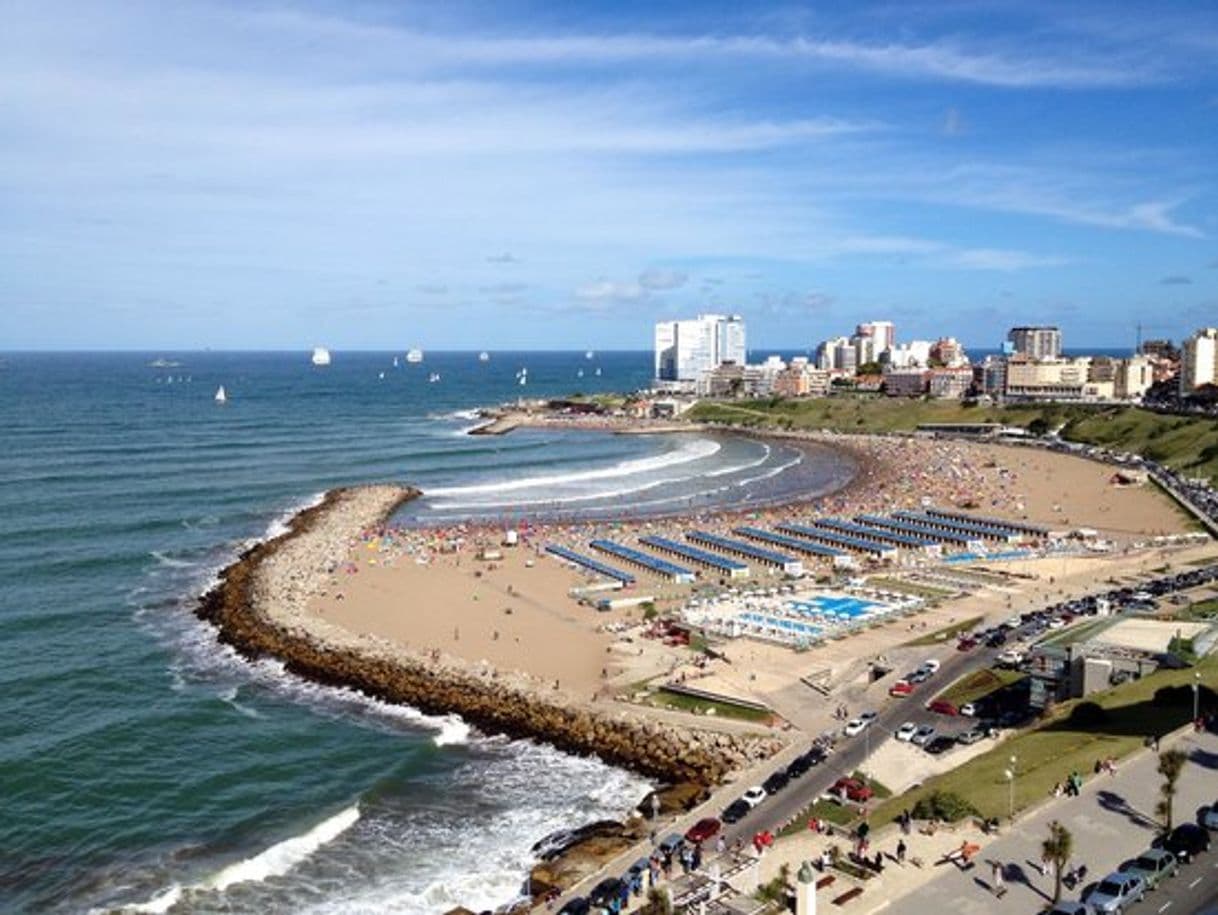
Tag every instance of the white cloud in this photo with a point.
(608, 291)
(659, 278)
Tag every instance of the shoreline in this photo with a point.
(259, 608)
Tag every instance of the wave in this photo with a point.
(772, 472)
(170, 562)
(279, 525)
(686, 453)
(554, 500)
(747, 466)
(273, 862)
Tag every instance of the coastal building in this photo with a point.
(1199, 361)
(1039, 342)
(837, 355)
(882, 334)
(800, 379)
(914, 354)
(948, 352)
(687, 349)
(950, 383)
(906, 382)
(1029, 378)
(1134, 377)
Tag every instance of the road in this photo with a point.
(851, 752)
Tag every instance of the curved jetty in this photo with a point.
(260, 607)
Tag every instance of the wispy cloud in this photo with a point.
(1176, 280)
(658, 278)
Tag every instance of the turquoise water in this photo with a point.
(144, 764)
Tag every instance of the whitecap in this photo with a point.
(283, 856)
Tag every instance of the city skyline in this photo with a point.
(272, 177)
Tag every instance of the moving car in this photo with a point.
(930, 664)
(922, 735)
(1116, 892)
(706, 828)
(852, 789)
(906, 731)
(753, 796)
(867, 717)
(900, 689)
(1187, 841)
(854, 726)
(735, 811)
(1152, 866)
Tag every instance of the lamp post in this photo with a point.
(1196, 695)
(1010, 774)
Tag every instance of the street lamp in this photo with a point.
(1010, 776)
(1196, 695)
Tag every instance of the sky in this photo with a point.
(382, 175)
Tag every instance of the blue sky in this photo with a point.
(483, 175)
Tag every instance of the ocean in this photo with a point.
(146, 767)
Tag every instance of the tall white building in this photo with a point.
(1040, 343)
(1199, 361)
(686, 350)
(883, 336)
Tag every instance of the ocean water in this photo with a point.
(143, 765)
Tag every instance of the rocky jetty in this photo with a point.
(260, 607)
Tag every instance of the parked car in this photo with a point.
(966, 644)
(906, 731)
(776, 782)
(940, 744)
(1116, 892)
(930, 664)
(799, 766)
(577, 906)
(900, 689)
(852, 789)
(918, 676)
(867, 717)
(706, 828)
(968, 710)
(943, 707)
(1208, 816)
(1187, 841)
(735, 811)
(1153, 865)
(753, 796)
(922, 735)
(1067, 907)
(606, 891)
(971, 736)
(671, 842)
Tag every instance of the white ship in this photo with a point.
(589, 354)
(221, 395)
(415, 356)
(484, 356)
(433, 377)
(321, 356)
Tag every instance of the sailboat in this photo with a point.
(579, 374)
(598, 371)
(395, 362)
(415, 356)
(524, 379)
(589, 354)
(221, 395)
(433, 377)
(321, 355)
(484, 356)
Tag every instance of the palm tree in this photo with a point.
(658, 902)
(1057, 849)
(1171, 764)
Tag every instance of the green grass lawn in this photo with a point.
(1201, 611)
(1079, 633)
(665, 699)
(1051, 751)
(939, 636)
(972, 687)
(832, 811)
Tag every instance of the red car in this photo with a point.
(852, 788)
(943, 707)
(966, 644)
(703, 830)
(900, 688)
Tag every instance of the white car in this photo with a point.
(754, 796)
(968, 710)
(922, 735)
(867, 718)
(854, 726)
(1010, 658)
(906, 731)
(932, 665)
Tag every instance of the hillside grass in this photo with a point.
(1186, 443)
(972, 687)
(940, 636)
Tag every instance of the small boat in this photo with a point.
(579, 374)
(163, 363)
(524, 379)
(598, 371)
(381, 376)
(415, 356)
(221, 395)
(433, 377)
(589, 354)
(484, 356)
(395, 362)
(321, 355)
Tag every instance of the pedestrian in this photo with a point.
(901, 851)
(721, 844)
(996, 874)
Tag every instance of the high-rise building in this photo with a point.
(687, 349)
(883, 335)
(1039, 343)
(1199, 361)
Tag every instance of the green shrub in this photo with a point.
(943, 805)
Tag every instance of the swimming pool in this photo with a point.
(827, 605)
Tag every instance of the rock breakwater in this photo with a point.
(260, 608)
